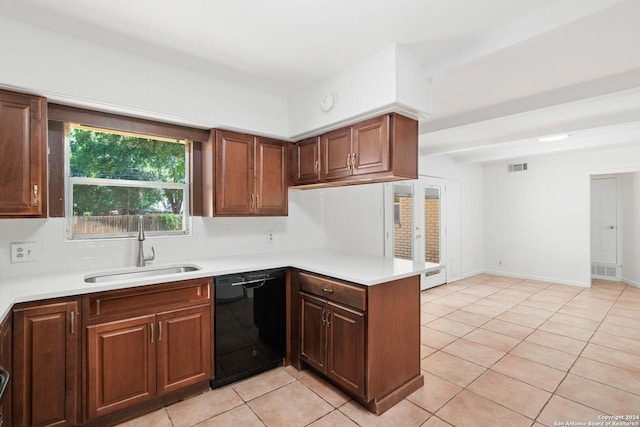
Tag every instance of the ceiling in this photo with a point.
(503, 71)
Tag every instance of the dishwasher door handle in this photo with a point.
(249, 282)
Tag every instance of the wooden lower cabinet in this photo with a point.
(332, 341)
(145, 346)
(46, 345)
(6, 357)
(120, 365)
(364, 339)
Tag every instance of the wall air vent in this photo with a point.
(517, 167)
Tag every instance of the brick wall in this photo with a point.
(432, 230)
(403, 230)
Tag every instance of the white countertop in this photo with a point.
(362, 269)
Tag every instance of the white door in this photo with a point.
(416, 229)
(604, 227)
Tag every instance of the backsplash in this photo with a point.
(210, 237)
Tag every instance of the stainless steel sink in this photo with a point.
(139, 273)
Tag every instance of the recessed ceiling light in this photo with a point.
(554, 138)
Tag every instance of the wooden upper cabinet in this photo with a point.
(250, 176)
(383, 148)
(307, 160)
(336, 154)
(234, 173)
(23, 155)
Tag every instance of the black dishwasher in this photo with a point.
(249, 323)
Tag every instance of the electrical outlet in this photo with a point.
(270, 238)
(24, 252)
(500, 262)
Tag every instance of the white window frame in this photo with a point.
(71, 181)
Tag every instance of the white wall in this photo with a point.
(538, 222)
(211, 237)
(79, 73)
(354, 218)
(630, 227)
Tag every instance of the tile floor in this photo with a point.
(495, 352)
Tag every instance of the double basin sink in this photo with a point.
(130, 274)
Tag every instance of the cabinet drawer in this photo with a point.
(344, 293)
(149, 298)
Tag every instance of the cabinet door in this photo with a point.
(313, 331)
(184, 348)
(22, 155)
(271, 177)
(6, 329)
(45, 365)
(346, 348)
(307, 161)
(336, 154)
(234, 173)
(371, 146)
(121, 362)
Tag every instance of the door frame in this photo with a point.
(619, 224)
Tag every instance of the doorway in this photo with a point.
(605, 248)
(418, 228)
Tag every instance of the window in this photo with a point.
(114, 178)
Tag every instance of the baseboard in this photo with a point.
(537, 278)
(630, 282)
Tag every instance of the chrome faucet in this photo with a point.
(141, 258)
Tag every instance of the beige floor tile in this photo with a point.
(159, 418)
(492, 339)
(435, 422)
(426, 351)
(510, 393)
(545, 355)
(566, 330)
(530, 372)
(508, 328)
(435, 339)
(619, 343)
(532, 311)
(555, 341)
(204, 406)
(497, 302)
(618, 311)
(468, 318)
(619, 330)
(436, 309)
(564, 289)
(617, 358)
(290, 406)
(485, 310)
(560, 410)
(294, 372)
(333, 419)
(451, 368)
(457, 300)
(325, 390)
(613, 376)
(521, 319)
(579, 322)
(628, 322)
(550, 298)
(482, 290)
(240, 416)
(435, 393)
(470, 410)
(474, 352)
(598, 396)
(262, 383)
(426, 318)
(543, 305)
(451, 327)
(410, 414)
(572, 310)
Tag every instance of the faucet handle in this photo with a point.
(153, 256)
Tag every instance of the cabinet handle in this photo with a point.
(324, 315)
(316, 168)
(257, 200)
(253, 200)
(160, 331)
(327, 290)
(354, 162)
(349, 161)
(328, 321)
(151, 325)
(35, 195)
(72, 321)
